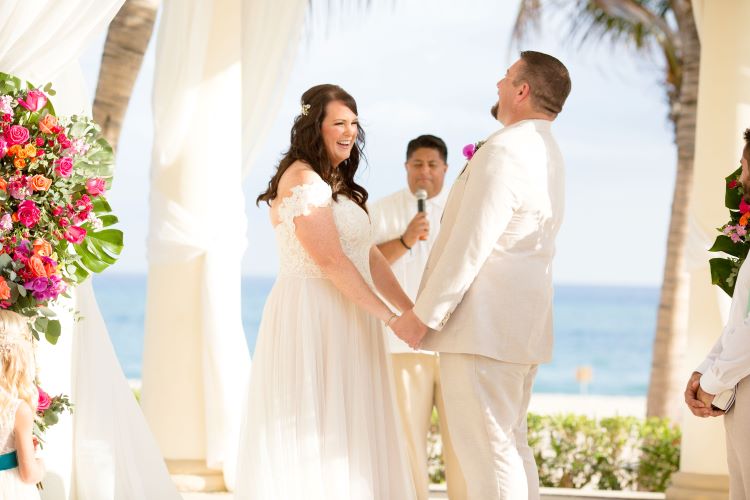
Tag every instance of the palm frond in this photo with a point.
(528, 18)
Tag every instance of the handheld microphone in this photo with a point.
(421, 196)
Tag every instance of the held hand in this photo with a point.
(698, 406)
(418, 229)
(707, 398)
(410, 329)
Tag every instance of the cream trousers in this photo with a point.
(417, 378)
(737, 426)
(486, 402)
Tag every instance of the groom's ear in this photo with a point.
(524, 91)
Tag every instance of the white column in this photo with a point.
(723, 113)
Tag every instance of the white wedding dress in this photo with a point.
(11, 486)
(321, 419)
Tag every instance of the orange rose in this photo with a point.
(47, 123)
(50, 268)
(19, 163)
(36, 266)
(3, 184)
(4, 289)
(744, 219)
(40, 183)
(30, 150)
(42, 247)
(13, 150)
(14, 216)
(21, 154)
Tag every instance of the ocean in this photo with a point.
(609, 329)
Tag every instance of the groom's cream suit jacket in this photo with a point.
(487, 286)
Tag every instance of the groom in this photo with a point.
(485, 301)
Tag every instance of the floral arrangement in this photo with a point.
(55, 222)
(734, 239)
(48, 413)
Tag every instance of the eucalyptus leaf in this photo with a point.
(53, 331)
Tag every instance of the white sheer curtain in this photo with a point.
(271, 32)
(38, 38)
(105, 451)
(195, 351)
(215, 93)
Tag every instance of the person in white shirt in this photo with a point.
(728, 366)
(405, 237)
(485, 301)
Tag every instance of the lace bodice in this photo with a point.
(352, 222)
(7, 423)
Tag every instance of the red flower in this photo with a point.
(744, 207)
(44, 400)
(733, 184)
(75, 234)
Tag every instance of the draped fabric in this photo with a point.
(194, 334)
(38, 38)
(270, 36)
(105, 451)
(221, 68)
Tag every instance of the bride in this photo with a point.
(321, 422)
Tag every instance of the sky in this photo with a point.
(430, 66)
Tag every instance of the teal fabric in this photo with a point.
(8, 461)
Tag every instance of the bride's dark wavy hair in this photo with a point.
(306, 144)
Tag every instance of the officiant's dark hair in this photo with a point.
(746, 149)
(428, 141)
(548, 79)
(306, 144)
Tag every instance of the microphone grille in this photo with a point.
(420, 194)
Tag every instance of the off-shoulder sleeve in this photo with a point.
(304, 197)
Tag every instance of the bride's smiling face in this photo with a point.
(339, 131)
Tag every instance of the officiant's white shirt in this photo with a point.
(487, 288)
(729, 360)
(390, 217)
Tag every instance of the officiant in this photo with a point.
(405, 226)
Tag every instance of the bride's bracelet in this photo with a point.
(388, 323)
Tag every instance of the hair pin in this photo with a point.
(305, 109)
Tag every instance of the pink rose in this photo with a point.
(16, 134)
(28, 213)
(75, 234)
(744, 207)
(3, 147)
(469, 151)
(95, 186)
(35, 100)
(44, 400)
(64, 166)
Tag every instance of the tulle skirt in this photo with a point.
(12, 488)
(321, 421)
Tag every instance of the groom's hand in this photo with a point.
(699, 404)
(410, 329)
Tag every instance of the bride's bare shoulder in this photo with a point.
(298, 173)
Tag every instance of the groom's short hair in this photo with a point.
(746, 149)
(428, 141)
(548, 79)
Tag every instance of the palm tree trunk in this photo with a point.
(667, 376)
(127, 40)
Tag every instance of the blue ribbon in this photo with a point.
(8, 461)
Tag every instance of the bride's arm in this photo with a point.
(319, 236)
(386, 282)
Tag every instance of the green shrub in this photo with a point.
(575, 451)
